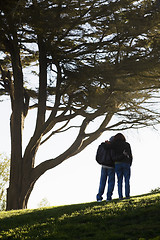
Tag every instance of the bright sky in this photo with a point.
(77, 179)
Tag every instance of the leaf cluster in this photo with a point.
(93, 58)
(119, 39)
(4, 179)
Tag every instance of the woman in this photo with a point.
(122, 156)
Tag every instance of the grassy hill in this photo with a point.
(136, 218)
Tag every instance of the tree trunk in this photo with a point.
(16, 125)
(19, 190)
(21, 183)
(14, 189)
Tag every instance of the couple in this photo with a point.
(121, 157)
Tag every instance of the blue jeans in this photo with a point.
(123, 170)
(110, 173)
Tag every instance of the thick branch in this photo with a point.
(42, 83)
(46, 165)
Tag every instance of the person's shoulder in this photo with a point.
(127, 144)
(103, 144)
(107, 144)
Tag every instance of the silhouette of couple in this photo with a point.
(120, 154)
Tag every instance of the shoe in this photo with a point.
(127, 197)
(109, 199)
(99, 200)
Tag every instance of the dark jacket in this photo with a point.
(108, 158)
(121, 152)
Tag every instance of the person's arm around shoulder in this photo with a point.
(129, 151)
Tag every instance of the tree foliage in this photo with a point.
(4, 179)
(43, 203)
(90, 58)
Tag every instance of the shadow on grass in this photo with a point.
(128, 219)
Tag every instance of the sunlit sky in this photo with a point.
(77, 179)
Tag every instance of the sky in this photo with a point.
(76, 180)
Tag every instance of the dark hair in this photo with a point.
(119, 136)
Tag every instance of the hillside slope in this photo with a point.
(136, 218)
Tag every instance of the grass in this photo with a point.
(135, 219)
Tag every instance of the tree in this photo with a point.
(95, 58)
(44, 203)
(4, 179)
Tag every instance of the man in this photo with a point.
(107, 171)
